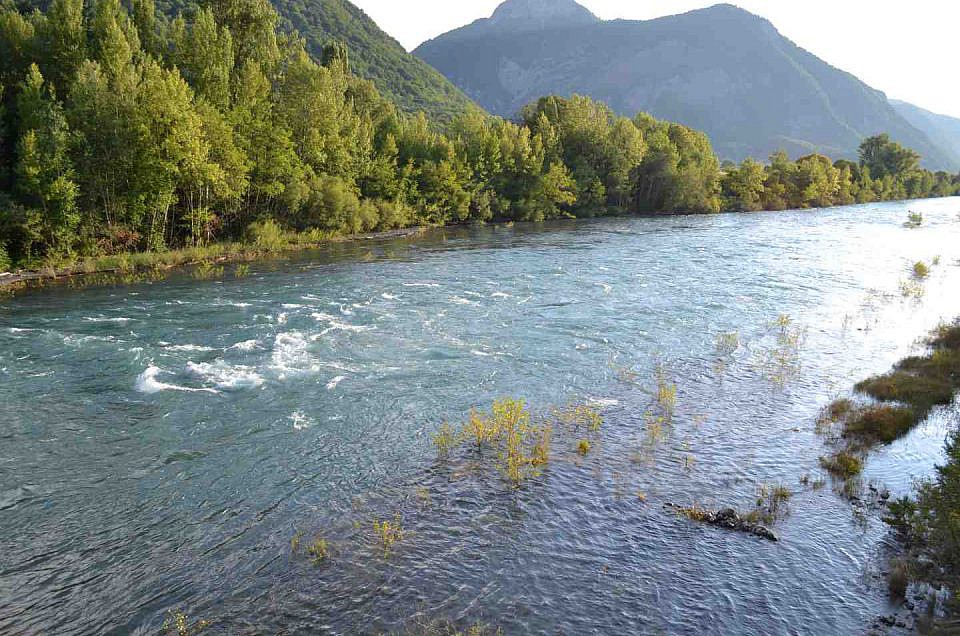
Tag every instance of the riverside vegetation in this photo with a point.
(126, 131)
(929, 522)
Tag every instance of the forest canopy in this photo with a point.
(124, 130)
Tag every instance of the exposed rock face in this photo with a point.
(539, 14)
(721, 70)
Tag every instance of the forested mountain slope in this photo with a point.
(402, 77)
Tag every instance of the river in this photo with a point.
(161, 443)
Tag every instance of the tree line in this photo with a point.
(125, 130)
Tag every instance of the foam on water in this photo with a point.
(246, 345)
(291, 355)
(300, 420)
(189, 348)
(226, 376)
(332, 384)
(148, 383)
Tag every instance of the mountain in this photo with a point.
(943, 130)
(721, 70)
(405, 79)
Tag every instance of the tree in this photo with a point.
(887, 158)
(45, 177)
(743, 186)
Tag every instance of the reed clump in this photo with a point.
(914, 220)
(508, 431)
(319, 550)
(580, 417)
(842, 464)
(388, 533)
(179, 624)
(920, 270)
(771, 504)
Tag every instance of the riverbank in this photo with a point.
(266, 244)
(217, 254)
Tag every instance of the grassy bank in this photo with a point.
(263, 240)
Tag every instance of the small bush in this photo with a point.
(266, 235)
(6, 264)
(583, 448)
(842, 464)
(880, 424)
(207, 271)
(838, 410)
(727, 343)
(444, 440)
(179, 624)
(946, 337)
(295, 542)
(920, 270)
(921, 392)
(480, 429)
(582, 416)
(388, 533)
(914, 220)
(318, 550)
(899, 578)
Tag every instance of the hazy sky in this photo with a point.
(906, 48)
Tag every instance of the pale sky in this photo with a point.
(909, 49)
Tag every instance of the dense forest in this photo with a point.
(124, 130)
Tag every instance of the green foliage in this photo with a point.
(388, 533)
(178, 624)
(319, 550)
(843, 464)
(879, 424)
(123, 130)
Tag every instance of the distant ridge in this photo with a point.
(721, 69)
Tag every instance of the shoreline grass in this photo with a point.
(209, 259)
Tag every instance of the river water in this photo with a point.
(161, 443)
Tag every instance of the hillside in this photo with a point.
(944, 130)
(722, 70)
(403, 78)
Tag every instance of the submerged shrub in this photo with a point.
(914, 220)
(842, 464)
(179, 624)
(319, 550)
(295, 542)
(388, 533)
(727, 343)
(920, 270)
(582, 416)
(207, 271)
(481, 430)
(583, 447)
(444, 440)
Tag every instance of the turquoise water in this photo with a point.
(161, 443)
